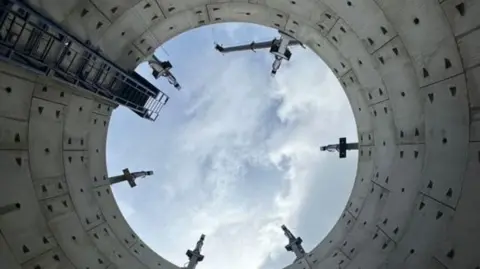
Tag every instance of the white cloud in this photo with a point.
(235, 120)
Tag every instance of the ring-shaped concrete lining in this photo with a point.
(410, 70)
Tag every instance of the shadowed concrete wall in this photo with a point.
(411, 70)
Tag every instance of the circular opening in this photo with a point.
(236, 147)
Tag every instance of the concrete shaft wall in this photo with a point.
(410, 68)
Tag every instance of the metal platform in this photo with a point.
(29, 39)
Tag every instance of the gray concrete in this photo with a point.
(409, 68)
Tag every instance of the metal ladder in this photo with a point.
(31, 40)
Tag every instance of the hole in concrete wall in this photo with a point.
(328, 15)
(8, 89)
(461, 8)
(62, 94)
(44, 188)
(345, 243)
(349, 3)
(95, 235)
(50, 208)
(402, 134)
(451, 254)
(430, 97)
(44, 89)
(99, 194)
(430, 184)
(87, 221)
(81, 190)
(416, 21)
(57, 114)
(69, 141)
(19, 161)
(385, 221)
(381, 196)
(95, 121)
(136, 251)
(425, 73)
(364, 223)
(370, 41)
(25, 249)
(47, 150)
(100, 261)
(17, 138)
(114, 217)
(83, 13)
(60, 186)
(70, 159)
(370, 96)
(130, 52)
(385, 110)
(386, 180)
(395, 50)
(421, 206)
(81, 141)
(385, 245)
(448, 64)
(334, 39)
(147, 5)
(412, 251)
(114, 10)
(80, 109)
(403, 189)
(45, 240)
(154, 17)
(348, 222)
(449, 193)
(439, 215)
(40, 110)
(360, 62)
(64, 203)
(170, 9)
(453, 90)
(417, 132)
(99, 25)
(395, 231)
(335, 254)
(56, 258)
(384, 30)
(356, 210)
(444, 140)
(341, 262)
(375, 236)
(342, 29)
(294, 22)
(369, 153)
(37, 267)
(381, 60)
(380, 91)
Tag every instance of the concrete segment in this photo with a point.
(409, 68)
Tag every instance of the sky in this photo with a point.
(235, 152)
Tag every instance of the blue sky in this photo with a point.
(235, 152)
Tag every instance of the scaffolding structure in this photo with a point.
(33, 41)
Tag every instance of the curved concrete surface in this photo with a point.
(410, 69)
